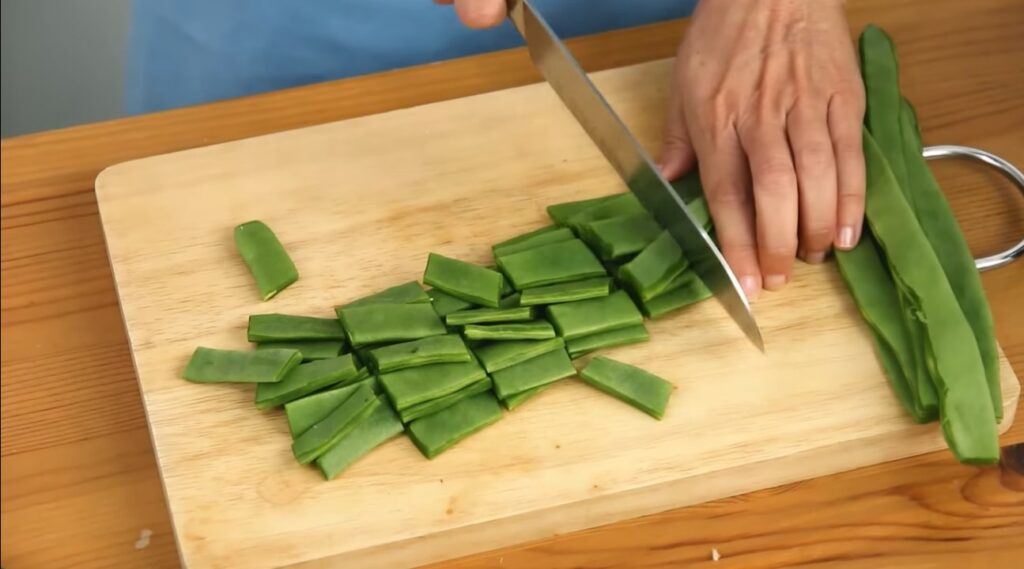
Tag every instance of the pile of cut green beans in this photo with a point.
(442, 360)
(913, 276)
(439, 364)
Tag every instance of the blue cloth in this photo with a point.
(184, 52)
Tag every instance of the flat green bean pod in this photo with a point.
(211, 365)
(464, 280)
(282, 327)
(690, 291)
(615, 206)
(307, 411)
(410, 386)
(586, 317)
(332, 428)
(499, 355)
(618, 337)
(567, 292)
(535, 330)
(651, 272)
(485, 315)
(440, 431)
(310, 349)
(618, 237)
(409, 292)
(414, 412)
(559, 262)
(445, 303)
(266, 258)
(630, 384)
(534, 372)
(432, 350)
(560, 213)
(543, 236)
(514, 401)
(384, 323)
(381, 426)
(305, 379)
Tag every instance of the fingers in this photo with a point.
(480, 13)
(677, 156)
(726, 184)
(815, 165)
(775, 198)
(845, 117)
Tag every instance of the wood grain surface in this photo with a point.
(80, 487)
(817, 402)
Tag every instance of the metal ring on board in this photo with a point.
(1009, 170)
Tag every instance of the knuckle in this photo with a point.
(816, 154)
(818, 234)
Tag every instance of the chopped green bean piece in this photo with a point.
(586, 317)
(690, 291)
(484, 315)
(618, 237)
(409, 292)
(619, 205)
(433, 350)
(700, 211)
(332, 428)
(560, 213)
(691, 191)
(619, 337)
(550, 264)
(281, 327)
(383, 323)
(534, 372)
(651, 272)
(265, 257)
(965, 405)
(463, 280)
(500, 355)
(381, 426)
(211, 365)
(550, 234)
(445, 304)
(567, 292)
(438, 432)
(513, 401)
(535, 330)
(630, 384)
(510, 301)
(410, 386)
(310, 349)
(410, 414)
(940, 226)
(305, 379)
(307, 411)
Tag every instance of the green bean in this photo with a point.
(310, 349)
(543, 236)
(307, 411)
(583, 345)
(947, 240)
(560, 213)
(567, 292)
(630, 384)
(484, 315)
(882, 89)
(383, 323)
(211, 365)
(381, 426)
(690, 290)
(409, 292)
(965, 405)
(615, 206)
(265, 258)
(514, 401)
(652, 271)
(535, 330)
(410, 386)
(618, 237)
(414, 412)
(690, 189)
(550, 264)
(332, 428)
(500, 355)
(586, 317)
(305, 379)
(445, 303)
(463, 280)
(279, 327)
(511, 301)
(432, 350)
(436, 433)
(534, 372)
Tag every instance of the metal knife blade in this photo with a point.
(630, 160)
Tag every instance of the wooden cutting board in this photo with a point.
(359, 204)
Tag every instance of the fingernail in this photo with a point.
(773, 282)
(750, 287)
(815, 258)
(846, 237)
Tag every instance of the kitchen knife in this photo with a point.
(630, 160)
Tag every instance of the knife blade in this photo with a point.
(561, 70)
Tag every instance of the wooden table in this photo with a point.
(80, 485)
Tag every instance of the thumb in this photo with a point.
(677, 155)
(480, 13)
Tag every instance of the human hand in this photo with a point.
(767, 97)
(478, 13)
